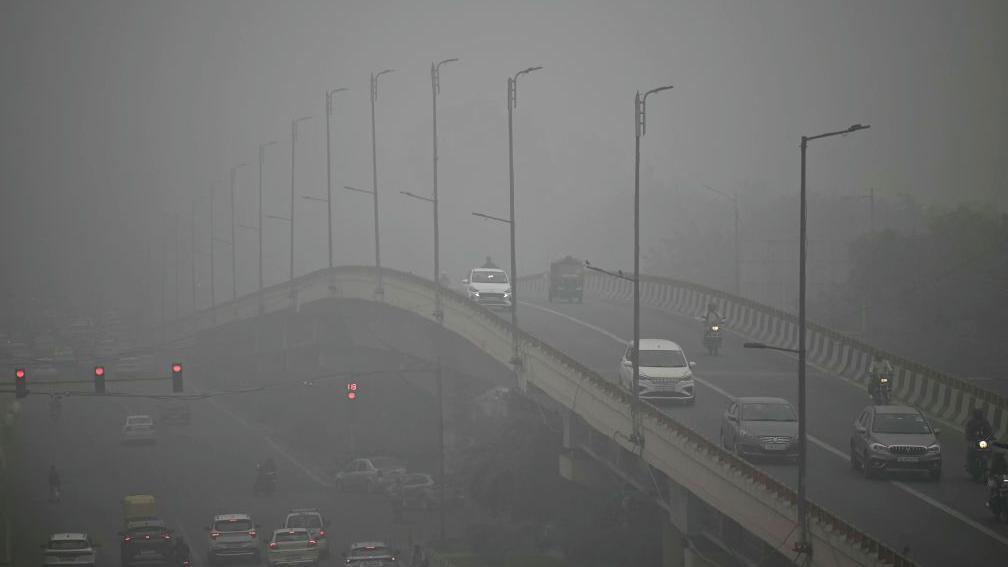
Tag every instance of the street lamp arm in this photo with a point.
(415, 196)
(617, 274)
(349, 188)
(853, 128)
(722, 193)
(525, 72)
(656, 90)
(442, 62)
(491, 217)
(278, 217)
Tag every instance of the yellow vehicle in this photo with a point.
(139, 507)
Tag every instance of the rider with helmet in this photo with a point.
(878, 369)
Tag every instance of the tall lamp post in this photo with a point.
(803, 545)
(738, 264)
(379, 291)
(640, 128)
(294, 124)
(234, 241)
(512, 103)
(328, 160)
(259, 227)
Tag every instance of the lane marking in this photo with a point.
(283, 453)
(815, 440)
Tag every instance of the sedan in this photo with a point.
(370, 474)
(894, 438)
(758, 426)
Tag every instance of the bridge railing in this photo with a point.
(946, 397)
(763, 505)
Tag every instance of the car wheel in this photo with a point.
(866, 466)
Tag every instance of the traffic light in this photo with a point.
(20, 383)
(99, 379)
(351, 391)
(176, 377)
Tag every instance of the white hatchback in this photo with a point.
(69, 549)
(665, 373)
(138, 429)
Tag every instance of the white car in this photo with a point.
(370, 474)
(313, 521)
(69, 549)
(488, 286)
(138, 429)
(665, 373)
(371, 554)
(292, 546)
(231, 535)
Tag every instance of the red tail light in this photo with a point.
(127, 539)
(166, 537)
(272, 545)
(312, 542)
(252, 533)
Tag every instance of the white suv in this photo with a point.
(231, 535)
(488, 286)
(69, 549)
(665, 374)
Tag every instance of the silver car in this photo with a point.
(370, 474)
(758, 426)
(894, 438)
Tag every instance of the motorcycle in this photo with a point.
(265, 483)
(997, 500)
(979, 459)
(883, 391)
(712, 338)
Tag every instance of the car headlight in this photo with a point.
(878, 447)
(934, 449)
(474, 292)
(507, 293)
(715, 328)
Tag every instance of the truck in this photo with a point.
(566, 280)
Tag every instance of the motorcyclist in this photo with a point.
(977, 427)
(879, 368)
(712, 317)
(54, 483)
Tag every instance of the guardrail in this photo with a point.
(763, 505)
(946, 397)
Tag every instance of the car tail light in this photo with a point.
(272, 545)
(127, 539)
(147, 536)
(214, 535)
(166, 537)
(312, 542)
(252, 533)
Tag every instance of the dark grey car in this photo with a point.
(894, 438)
(760, 426)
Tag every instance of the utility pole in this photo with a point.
(380, 290)
(294, 124)
(213, 292)
(262, 148)
(328, 113)
(234, 240)
(192, 253)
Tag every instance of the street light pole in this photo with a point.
(234, 241)
(262, 148)
(379, 291)
(804, 545)
(192, 253)
(328, 160)
(294, 124)
(640, 128)
(512, 103)
(438, 312)
(213, 291)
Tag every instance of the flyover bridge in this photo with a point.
(703, 487)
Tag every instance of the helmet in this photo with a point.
(711, 306)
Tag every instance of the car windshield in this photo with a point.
(912, 423)
(377, 551)
(768, 412)
(303, 521)
(489, 276)
(662, 359)
(282, 537)
(236, 525)
(141, 531)
(68, 544)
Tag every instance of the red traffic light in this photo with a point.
(351, 390)
(176, 368)
(99, 371)
(19, 373)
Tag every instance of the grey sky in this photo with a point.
(116, 112)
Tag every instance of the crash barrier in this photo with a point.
(946, 397)
(764, 506)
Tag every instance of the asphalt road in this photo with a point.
(942, 523)
(194, 471)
